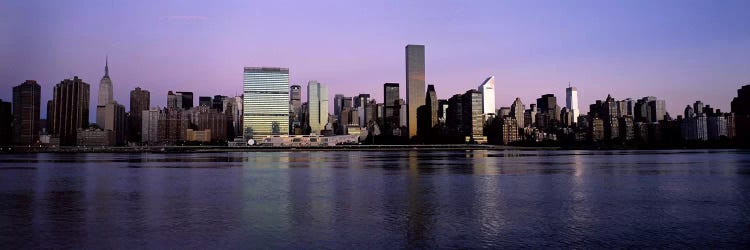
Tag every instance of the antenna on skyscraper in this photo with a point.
(568, 84)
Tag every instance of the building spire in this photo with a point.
(106, 66)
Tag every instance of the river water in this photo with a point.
(367, 199)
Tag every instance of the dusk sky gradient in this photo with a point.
(681, 51)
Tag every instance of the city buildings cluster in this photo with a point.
(270, 111)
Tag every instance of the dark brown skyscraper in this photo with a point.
(432, 103)
(71, 103)
(415, 80)
(390, 105)
(140, 100)
(26, 113)
(6, 118)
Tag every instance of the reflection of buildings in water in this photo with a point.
(65, 206)
(420, 195)
(580, 205)
(488, 210)
(311, 198)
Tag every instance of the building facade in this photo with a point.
(415, 85)
(140, 100)
(71, 109)
(317, 105)
(266, 102)
(487, 88)
(26, 102)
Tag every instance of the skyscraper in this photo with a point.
(487, 88)
(741, 108)
(471, 116)
(113, 119)
(295, 105)
(6, 119)
(140, 100)
(415, 84)
(218, 103)
(391, 105)
(317, 105)
(266, 102)
(26, 113)
(338, 103)
(205, 101)
(187, 99)
(105, 86)
(71, 103)
(517, 111)
(174, 101)
(431, 102)
(571, 102)
(105, 94)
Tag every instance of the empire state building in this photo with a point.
(105, 87)
(105, 95)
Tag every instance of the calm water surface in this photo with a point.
(409, 199)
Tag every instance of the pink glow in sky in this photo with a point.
(681, 51)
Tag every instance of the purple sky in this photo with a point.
(680, 51)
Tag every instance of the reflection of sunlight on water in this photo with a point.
(488, 208)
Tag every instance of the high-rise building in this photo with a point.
(391, 97)
(140, 100)
(571, 102)
(338, 104)
(317, 105)
(6, 120)
(472, 116)
(26, 102)
(266, 102)
(487, 88)
(105, 95)
(442, 110)
(187, 99)
(150, 126)
(105, 86)
(454, 116)
(205, 101)
(295, 105)
(174, 101)
(698, 107)
(431, 101)
(658, 110)
(361, 100)
(218, 103)
(415, 84)
(113, 119)
(210, 120)
(529, 117)
(517, 112)
(548, 112)
(71, 109)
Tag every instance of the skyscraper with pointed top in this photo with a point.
(105, 86)
(105, 94)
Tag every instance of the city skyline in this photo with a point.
(706, 56)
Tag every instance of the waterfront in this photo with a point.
(393, 199)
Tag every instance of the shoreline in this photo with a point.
(219, 149)
(222, 149)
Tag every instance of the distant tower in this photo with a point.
(517, 110)
(105, 86)
(26, 103)
(415, 85)
(487, 88)
(571, 101)
(265, 102)
(317, 105)
(105, 94)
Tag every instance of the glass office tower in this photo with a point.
(266, 102)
